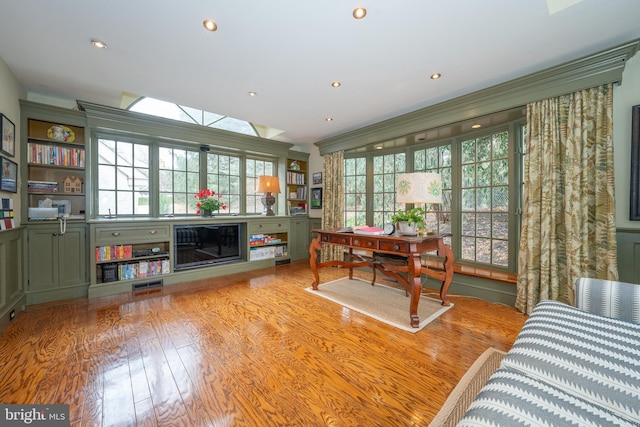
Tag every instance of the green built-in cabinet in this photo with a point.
(60, 260)
(56, 262)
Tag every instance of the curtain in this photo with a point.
(568, 219)
(333, 202)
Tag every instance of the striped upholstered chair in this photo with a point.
(609, 298)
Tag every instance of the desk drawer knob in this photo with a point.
(396, 247)
(356, 242)
(115, 233)
(369, 244)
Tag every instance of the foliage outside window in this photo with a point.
(179, 180)
(385, 175)
(437, 160)
(355, 191)
(254, 169)
(223, 176)
(123, 178)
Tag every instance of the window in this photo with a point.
(355, 191)
(223, 177)
(437, 160)
(123, 178)
(179, 180)
(485, 199)
(254, 169)
(481, 189)
(385, 175)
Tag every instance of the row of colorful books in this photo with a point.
(297, 178)
(143, 269)
(107, 253)
(55, 155)
(263, 239)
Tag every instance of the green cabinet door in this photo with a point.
(57, 263)
(299, 238)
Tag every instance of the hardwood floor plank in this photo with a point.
(252, 349)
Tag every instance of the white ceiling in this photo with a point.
(289, 52)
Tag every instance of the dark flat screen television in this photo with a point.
(207, 244)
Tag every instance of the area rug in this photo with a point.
(383, 303)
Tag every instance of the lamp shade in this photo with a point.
(268, 184)
(420, 187)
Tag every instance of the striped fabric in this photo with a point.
(565, 367)
(609, 298)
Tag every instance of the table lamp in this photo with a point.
(268, 185)
(419, 188)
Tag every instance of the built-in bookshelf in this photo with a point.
(56, 159)
(266, 246)
(297, 186)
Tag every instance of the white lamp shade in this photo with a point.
(268, 184)
(419, 188)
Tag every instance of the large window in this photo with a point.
(437, 160)
(123, 178)
(481, 183)
(223, 177)
(485, 199)
(179, 178)
(254, 169)
(385, 173)
(355, 191)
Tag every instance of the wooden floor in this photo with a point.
(252, 349)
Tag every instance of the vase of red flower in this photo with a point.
(207, 201)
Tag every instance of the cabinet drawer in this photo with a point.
(365, 242)
(275, 226)
(340, 240)
(146, 233)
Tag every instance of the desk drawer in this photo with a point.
(402, 247)
(339, 240)
(365, 242)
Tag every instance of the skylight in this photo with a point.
(169, 110)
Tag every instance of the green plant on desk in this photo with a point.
(415, 215)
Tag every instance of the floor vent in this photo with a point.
(146, 285)
(283, 261)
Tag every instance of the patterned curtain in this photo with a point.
(568, 221)
(333, 202)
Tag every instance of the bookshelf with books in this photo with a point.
(55, 157)
(297, 186)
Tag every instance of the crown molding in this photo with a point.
(100, 118)
(596, 69)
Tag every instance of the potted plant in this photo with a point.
(407, 222)
(207, 201)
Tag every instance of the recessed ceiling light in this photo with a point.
(98, 44)
(329, 119)
(210, 25)
(378, 147)
(359, 12)
(252, 94)
(435, 76)
(476, 126)
(336, 84)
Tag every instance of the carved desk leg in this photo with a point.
(415, 285)
(314, 247)
(445, 251)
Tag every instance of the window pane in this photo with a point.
(123, 178)
(179, 177)
(355, 188)
(256, 168)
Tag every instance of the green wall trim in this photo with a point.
(602, 67)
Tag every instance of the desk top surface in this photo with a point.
(395, 236)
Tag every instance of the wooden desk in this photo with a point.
(403, 264)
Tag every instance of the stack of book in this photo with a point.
(42, 186)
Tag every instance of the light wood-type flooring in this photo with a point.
(252, 349)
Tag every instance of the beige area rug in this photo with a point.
(384, 303)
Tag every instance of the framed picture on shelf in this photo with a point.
(9, 171)
(317, 178)
(316, 198)
(8, 131)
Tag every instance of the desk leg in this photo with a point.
(314, 247)
(445, 252)
(415, 284)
